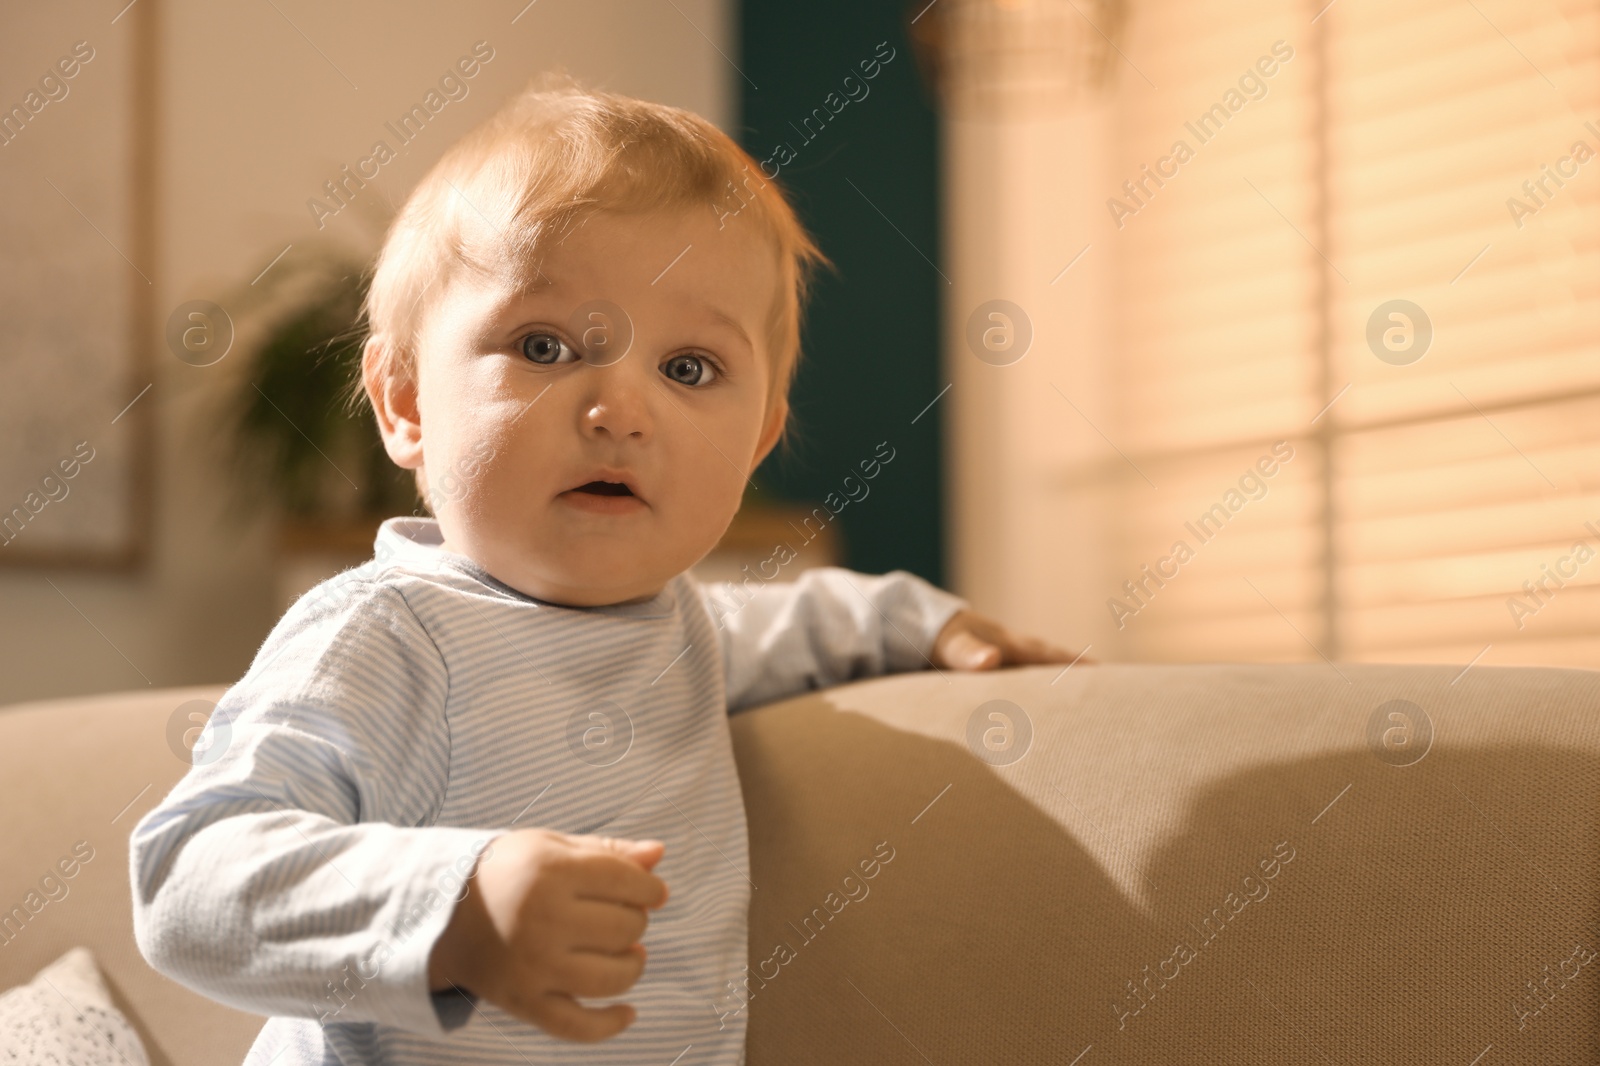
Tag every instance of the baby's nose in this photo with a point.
(619, 410)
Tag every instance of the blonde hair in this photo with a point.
(537, 168)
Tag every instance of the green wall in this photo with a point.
(871, 339)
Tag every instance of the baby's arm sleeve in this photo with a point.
(829, 626)
(294, 870)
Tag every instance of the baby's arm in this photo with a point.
(294, 872)
(828, 626)
(834, 625)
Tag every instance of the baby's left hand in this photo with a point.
(970, 641)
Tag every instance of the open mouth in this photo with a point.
(604, 488)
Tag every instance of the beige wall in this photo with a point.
(1024, 154)
(253, 121)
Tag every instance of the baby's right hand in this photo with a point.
(548, 917)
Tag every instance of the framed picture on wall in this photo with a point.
(76, 283)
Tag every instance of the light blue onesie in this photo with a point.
(401, 714)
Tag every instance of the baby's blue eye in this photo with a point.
(547, 348)
(689, 370)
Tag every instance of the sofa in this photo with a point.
(1277, 864)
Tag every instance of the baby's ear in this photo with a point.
(393, 392)
(772, 432)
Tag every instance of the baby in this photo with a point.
(438, 818)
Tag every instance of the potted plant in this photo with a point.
(300, 443)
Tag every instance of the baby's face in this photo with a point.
(529, 429)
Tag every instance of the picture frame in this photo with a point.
(78, 143)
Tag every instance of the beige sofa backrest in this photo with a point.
(1209, 864)
(1284, 864)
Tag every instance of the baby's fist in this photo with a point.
(970, 641)
(550, 917)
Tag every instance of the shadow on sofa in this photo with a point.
(1331, 909)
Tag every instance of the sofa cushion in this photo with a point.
(1187, 864)
(65, 1015)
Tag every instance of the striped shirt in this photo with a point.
(404, 712)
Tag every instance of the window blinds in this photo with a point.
(1357, 339)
